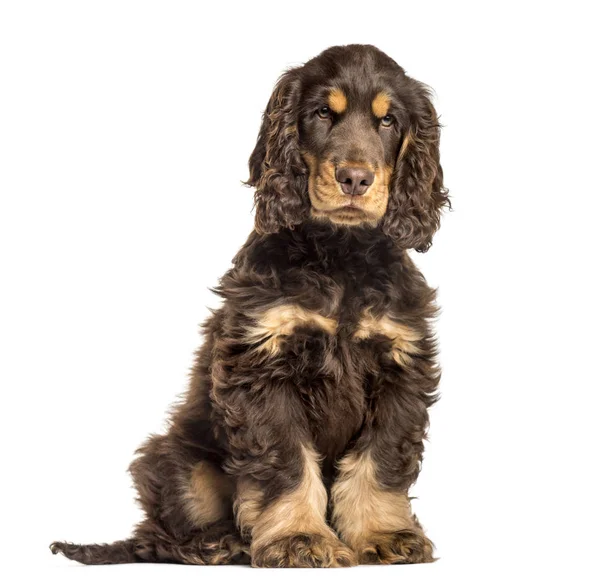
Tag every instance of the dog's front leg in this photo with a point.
(371, 507)
(281, 501)
(283, 510)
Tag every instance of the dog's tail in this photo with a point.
(97, 553)
(215, 546)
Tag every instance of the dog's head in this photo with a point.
(349, 138)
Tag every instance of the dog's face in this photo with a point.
(350, 139)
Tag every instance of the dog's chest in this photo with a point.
(333, 359)
(328, 334)
(328, 376)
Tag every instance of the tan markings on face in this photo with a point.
(380, 104)
(337, 101)
(361, 507)
(291, 130)
(207, 495)
(328, 200)
(273, 325)
(404, 339)
(301, 511)
(406, 143)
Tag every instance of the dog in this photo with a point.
(302, 430)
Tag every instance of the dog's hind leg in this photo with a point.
(188, 508)
(220, 544)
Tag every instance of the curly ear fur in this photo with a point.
(277, 169)
(417, 193)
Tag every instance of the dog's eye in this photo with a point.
(324, 112)
(387, 120)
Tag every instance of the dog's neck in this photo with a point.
(321, 247)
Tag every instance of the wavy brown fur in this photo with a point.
(303, 426)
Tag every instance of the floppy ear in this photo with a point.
(417, 193)
(277, 169)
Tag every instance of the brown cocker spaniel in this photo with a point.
(303, 427)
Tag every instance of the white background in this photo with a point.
(125, 128)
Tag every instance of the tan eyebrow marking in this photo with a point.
(337, 101)
(380, 104)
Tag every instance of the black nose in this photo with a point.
(354, 180)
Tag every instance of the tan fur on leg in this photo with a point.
(292, 531)
(376, 522)
(207, 495)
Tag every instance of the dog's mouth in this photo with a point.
(351, 213)
(330, 201)
(354, 204)
(354, 208)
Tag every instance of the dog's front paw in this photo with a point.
(401, 547)
(304, 551)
